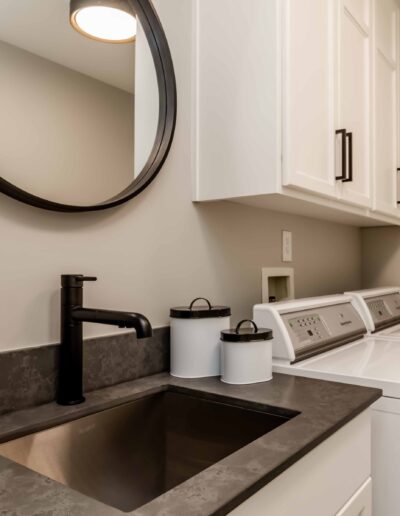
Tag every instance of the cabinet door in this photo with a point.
(308, 95)
(386, 101)
(360, 504)
(354, 98)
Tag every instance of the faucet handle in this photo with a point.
(75, 280)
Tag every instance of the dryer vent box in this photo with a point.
(277, 284)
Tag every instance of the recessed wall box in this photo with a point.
(277, 284)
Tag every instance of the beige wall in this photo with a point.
(64, 135)
(147, 105)
(381, 257)
(160, 250)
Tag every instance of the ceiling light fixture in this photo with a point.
(109, 21)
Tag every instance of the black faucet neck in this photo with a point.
(73, 314)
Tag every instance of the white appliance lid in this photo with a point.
(370, 361)
(392, 331)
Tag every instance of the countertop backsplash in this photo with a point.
(28, 377)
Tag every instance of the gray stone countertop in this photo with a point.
(323, 408)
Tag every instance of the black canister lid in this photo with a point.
(240, 334)
(200, 311)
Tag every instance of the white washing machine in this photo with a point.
(326, 338)
(380, 310)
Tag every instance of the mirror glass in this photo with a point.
(78, 116)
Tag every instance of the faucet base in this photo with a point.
(71, 402)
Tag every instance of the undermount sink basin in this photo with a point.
(129, 455)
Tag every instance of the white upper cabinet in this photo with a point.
(275, 80)
(308, 95)
(354, 99)
(360, 10)
(236, 138)
(386, 107)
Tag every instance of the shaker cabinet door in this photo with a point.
(308, 95)
(361, 503)
(354, 99)
(386, 108)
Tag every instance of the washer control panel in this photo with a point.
(309, 328)
(317, 330)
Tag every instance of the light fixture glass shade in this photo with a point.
(103, 21)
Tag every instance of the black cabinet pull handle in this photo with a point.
(344, 154)
(398, 202)
(349, 178)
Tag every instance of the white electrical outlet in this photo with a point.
(287, 248)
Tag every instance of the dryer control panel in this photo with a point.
(384, 309)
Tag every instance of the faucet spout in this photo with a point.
(73, 314)
(138, 322)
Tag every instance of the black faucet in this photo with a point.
(70, 388)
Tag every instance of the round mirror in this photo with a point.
(88, 101)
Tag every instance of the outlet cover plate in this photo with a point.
(287, 246)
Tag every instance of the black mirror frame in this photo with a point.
(166, 122)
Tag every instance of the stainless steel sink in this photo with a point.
(128, 455)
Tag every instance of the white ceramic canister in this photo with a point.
(195, 339)
(246, 354)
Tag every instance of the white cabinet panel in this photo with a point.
(386, 108)
(324, 481)
(360, 9)
(385, 136)
(385, 456)
(361, 503)
(386, 27)
(355, 106)
(236, 139)
(308, 96)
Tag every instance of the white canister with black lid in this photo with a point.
(246, 354)
(195, 339)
